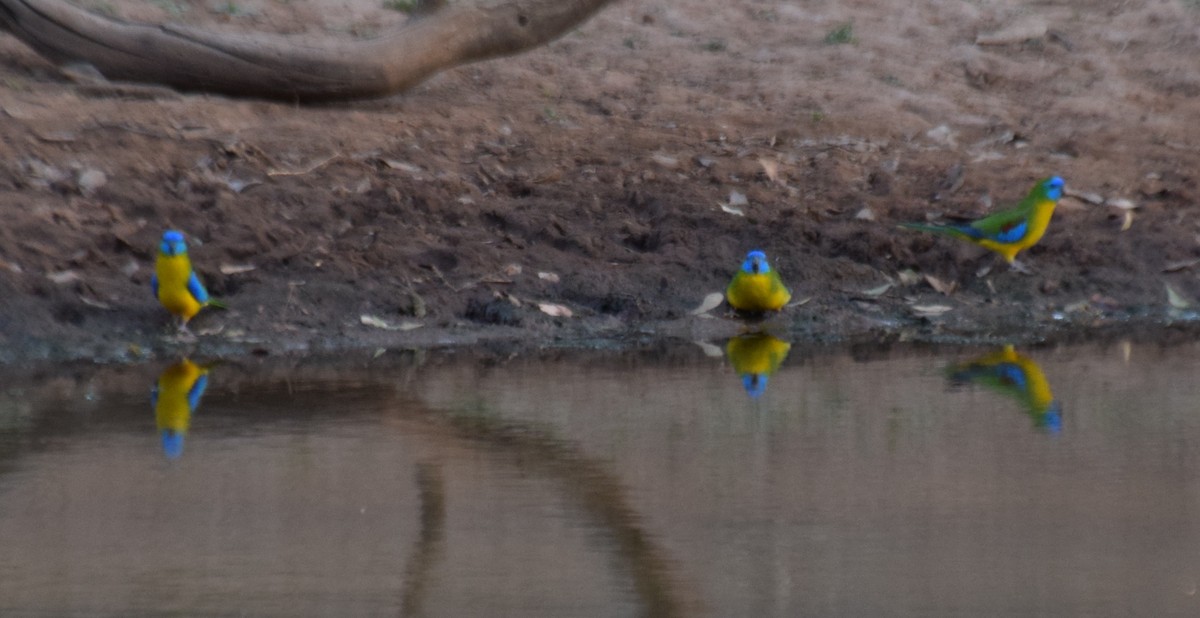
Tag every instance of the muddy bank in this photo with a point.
(592, 175)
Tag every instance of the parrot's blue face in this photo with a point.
(756, 263)
(172, 443)
(1052, 418)
(172, 243)
(1054, 188)
(755, 384)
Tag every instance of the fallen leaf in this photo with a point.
(866, 214)
(710, 302)
(1180, 265)
(666, 161)
(401, 165)
(771, 168)
(941, 286)
(930, 310)
(1122, 203)
(90, 180)
(64, 276)
(908, 276)
(737, 199)
(551, 277)
(303, 170)
(236, 269)
(1084, 196)
(1028, 29)
(379, 352)
(731, 210)
(802, 301)
(878, 291)
(553, 310)
(91, 302)
(1127, 220)
(710, 350)
(1176, 299)
(376, 322)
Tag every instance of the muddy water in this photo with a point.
(767, 481)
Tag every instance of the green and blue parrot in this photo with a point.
(754, 358)
(175, 397)
(175, 283)
(1011, 231)
(757, 288)
(1013, 374)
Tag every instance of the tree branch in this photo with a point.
(292, 67)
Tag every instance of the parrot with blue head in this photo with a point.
(1010, 231)
(175, 283)
(175, 397)
(757, 288)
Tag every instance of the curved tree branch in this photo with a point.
(292, 67)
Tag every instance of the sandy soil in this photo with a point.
(590, 175)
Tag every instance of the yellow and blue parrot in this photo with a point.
(1017, 376)
(757, 288)
(755, 357)
(175, 397)
(174, 282)
(1010, 231)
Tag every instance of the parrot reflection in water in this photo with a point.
(175, 397)
(755, 357)
(1011, 231)
(175, 284)
(1016, 375)
(757, 288)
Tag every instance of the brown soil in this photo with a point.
(601, 161)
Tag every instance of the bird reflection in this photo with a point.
(175, 397)
(755, 357)
(1017, 376)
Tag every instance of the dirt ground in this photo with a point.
(591, 175)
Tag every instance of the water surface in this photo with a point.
(767, 481)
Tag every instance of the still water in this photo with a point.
(751, 478)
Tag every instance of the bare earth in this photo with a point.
(590, 175)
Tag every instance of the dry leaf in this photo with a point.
(376, 322)
(866, 214)
(738, 199)
(91, 302)
(666, 161)
(710, 302)
(1127, 220)
(930, 310)
(802, 301)
(771, 168)
(551, 277)
(1176, 299)
(303, 170)
(1122, 203)
(1180, 265)
(1021, 31)
(558, 311)
(1084, 196)
(64, 276)
(236, 269)
(876, 292)
(731, 210)
(908, 276)
(941, 286)
(710, 350)
(401, 165)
